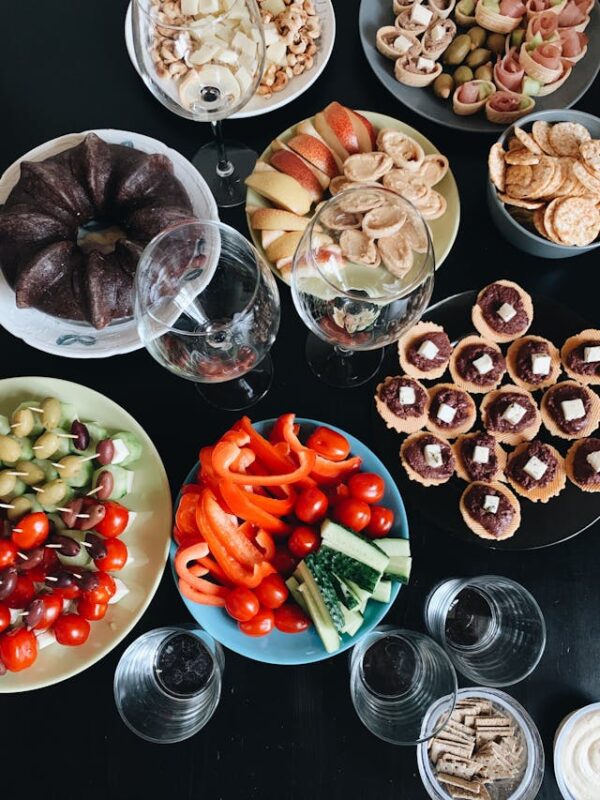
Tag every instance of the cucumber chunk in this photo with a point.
(362, 595)
(399, 568)
(128, 448)
(383, 592)
(4, 425)
(122, 480)
(319, 581)
(353, 620)
(83, 558)
(394, 547)
(294, 587)
(344, 541)
(321, 620)
(349, 569)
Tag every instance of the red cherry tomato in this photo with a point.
(272, 591)
(53, 606)
(115, 558)
(4, 617)
(114, 521)
(91, 611)
(18, 649)
(31, 531)
(242, 604)
(283, 562)
(291, 619)
(381, 522)
(366, 486)
(23, 594)
(329, 444)
(71, 630)
(8, 553)
(335, 493)
(71, 592)
(352, 513)
(311, 505)
(260, 624)
(303, 540)
(104, 590)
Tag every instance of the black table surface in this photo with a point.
(278, 731)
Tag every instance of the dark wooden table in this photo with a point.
(278, 732)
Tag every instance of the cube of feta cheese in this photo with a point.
(227, 56)
(420, 15)
(491, 503)
(437, 33)
(506, 312)
(428, 349)
(591, 354)
(244, 44)
(402, 44)
(207, 7)
(593, 460)
(481, 455)
(45, 639)
(425, 64)
(244, 79)
(483, 364)
(189, 7)
(514, 413)
(433, 455)
(446, 413)
(535, 468)
(276, 53)
(540, 364)
(271, 34)
(573, 409)
(204, 54)
(407, 396)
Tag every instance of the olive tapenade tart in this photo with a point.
(477, 365)
(510, 414)
(533, 363)
(503, 311)
(424, 351)
(582, 463)
(479, 457)
(580, 356)
(536, 471)
(427, 458)
(451, 410)
(570, 410)
(402, 402)
(490, 510)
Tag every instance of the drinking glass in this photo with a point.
(207, 309)
(354, 308)
(168, 683)
(491, 627)
(395, 676)
(203, 60)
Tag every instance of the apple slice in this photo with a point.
(315, 151)
(268, 237)
(335, 125)
(291, 164)
(277, 145)
(307, 127)
(363, 134)
(282, 190)
(370, 129)
(284, 246)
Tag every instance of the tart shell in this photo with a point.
(540, 494)
(463, 383)
(510, 437)
(569, 467)
(489, 333)
(412, 474)
(593, 421)
(573, 342)
(476, 527)
(461, 470)
(450, 433)
(400, 425)
(511, 363)
(417, 332)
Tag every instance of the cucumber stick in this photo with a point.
(352, 621)
(399, 568)
(382, 592)
(321, 619)
(344, 541)
(362, 595)
(294, 586)
(394, 547)
(319, 582)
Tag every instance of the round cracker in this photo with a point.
(461, 470)
(543, 176)
(570, 344)
(527, 141)
(538, 221)
(489, 333)
(510, 437)
(540, 130)
(463, 383)
(590, 153)
(414, 476)
(511, 363)
(521, 156)
(450, 433)
(548, 221)
(539, 494)
(516, 201)
(566, 137)
(594, 417)
(497, 166)
(396, 423)
(576, 221)
(417, 332)
(476, 527)
(570, 468)
(590, 182)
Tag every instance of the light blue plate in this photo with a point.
(301, 648)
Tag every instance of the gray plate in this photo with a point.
(374, 14)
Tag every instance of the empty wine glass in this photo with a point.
(207, 309)
(203, 59)
(362, 275)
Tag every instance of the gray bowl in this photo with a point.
(513, 231)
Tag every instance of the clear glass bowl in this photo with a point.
(559, 741)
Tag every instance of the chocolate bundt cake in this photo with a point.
(45, 257)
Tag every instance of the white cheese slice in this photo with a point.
(121, 451)
(483, 364)
(593, 460)
(428, 349)
(514, 413)
(425, 64)
(402, 44)
(44, 639)
(438, 33)
(535, 468)
(540, 364)
(271, 33)
(420, 15)
(407, 396)
(244, 44)
(130, 521)
(189, 8)
(130, 478)
(433, 455)
(490, 503)
(591, 354)
(506, 312)
(446, 413)
(120, 592)
(573, 409)
(207, 6)
(481, 455)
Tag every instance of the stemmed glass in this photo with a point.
(357, 289)
(207, 309)
(203, 59)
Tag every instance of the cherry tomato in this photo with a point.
(104, 590)
(329, 444)
(260, 624)
(303, 540)
(272, 591)
(352, 513)
(71, 630)
(18, 649)
(311, 505)
(23, 594)
(367, 486)
(335, 493)
(242, 604)
(8, 553)
(4, 617)
(53, 606)
(291, 619)
(115, 520)
(71, 592)
(91, 611)
(115, 558)
(31, 531)
(381, 522)
(283, 562)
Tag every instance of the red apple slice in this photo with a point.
(335, 125)
(315, 151)
(307, 127)
(367, 138)
(324, 180)
(291, 164)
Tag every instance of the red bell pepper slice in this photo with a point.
(265, 451)
(215, 570)
(276, 434)
(263, 539)
(200, 597)
(288, 430)
(225, 454)
(241, 503)
(278, 507)
(192, 578)
(191, 488)
(326, 471)
(185, 517)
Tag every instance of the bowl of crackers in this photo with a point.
(544, 183)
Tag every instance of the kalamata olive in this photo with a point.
(80, 430)
(60, 579)
(70, 517)
(106, 483)
(106, 451)
(34, 558)
(96, 513)
(68, 547)
(98, 548)
(35, 613)
(3, 669)
(88, 580)
(8, 582)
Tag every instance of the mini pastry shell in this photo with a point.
(450, 433)
(569, 466)
(412, 474)
(461, 469)
(418, 331)
(511, 363)
(539, 494)
(570, 344)
(507, 117)
(400, 424)
(510, 437)
(482, 326)
(385, 38)
(463, 383)
(476, 527)
(594, 416)
(416, 79)
(493, 21)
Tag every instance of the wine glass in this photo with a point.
(204, 59)
(362, 275)
(207, 309)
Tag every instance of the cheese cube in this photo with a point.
(540, 365)
(506, 312)
(271, 34)
(189, 7)
(438, 33)
(433, 455)
(491, 503)
(428, 349)
(593, 460)
(481, 455)
(407, 396)
(44, 639)
(425, 64)
(420, 15)
(402, 44)
(514, 413)
(483, 364)
(573, 409)
(207, 7)
(244, 44)
(446, 413)
(274, 7)
(591, 354)
(277, 53)
(121, 451)
(535, 468)
(227, 56)
(204, 54)
(244, 79)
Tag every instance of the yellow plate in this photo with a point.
(443, 230)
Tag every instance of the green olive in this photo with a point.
(33, 473)
(7, 482)
(485, 72)
(457, 50)
(496, 42)
(462, 75)
(443, 85)
(20, 506)
(52, 415)
(52, 493)
(477, 36)
(46, 445)
(10, 449)
(69, 466)
(23, 422)
(478, 57)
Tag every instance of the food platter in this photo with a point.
(147, 540)
(542, 524)
(375, 14)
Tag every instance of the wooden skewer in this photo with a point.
(66, 435)
(57, 465)
(51, 578)
(6, 505)
(17, 530)
(38, 447)
(20, 554)
(37, 410)
(18, 474)
(66, 510)
(86, 544)
(53, 546)
(37, 489)
(76, 575)
(93, 491)
(82, 516)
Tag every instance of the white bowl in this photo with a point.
(561, 734)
